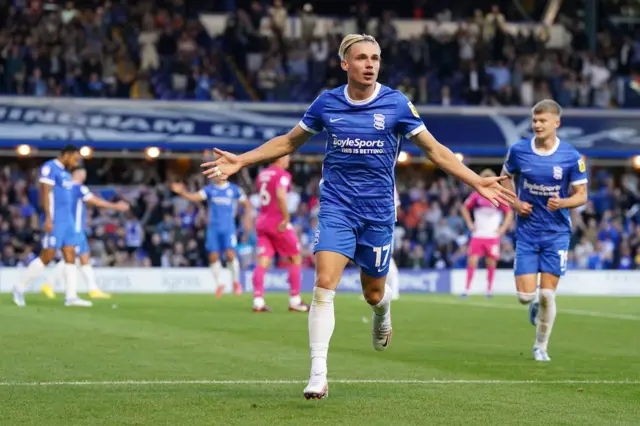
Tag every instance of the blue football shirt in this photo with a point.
(539, 176)
(223, 204)
(80, 194)
(54, 174)
(363, 143)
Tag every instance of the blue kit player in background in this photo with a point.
(56, 194)
(222, 199)
(81, 196)
(551, 178)
(364, 121)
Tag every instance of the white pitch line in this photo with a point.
(297, 382)
(580, 312)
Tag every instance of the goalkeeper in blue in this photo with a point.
(551, 178)
(365, 122)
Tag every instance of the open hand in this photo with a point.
(226, 165)
(490, 188)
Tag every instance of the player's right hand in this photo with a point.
(522, 208)
(226, 165)
(48, 225)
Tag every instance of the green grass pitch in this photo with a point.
(192, 360)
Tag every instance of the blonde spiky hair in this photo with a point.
(351, 39)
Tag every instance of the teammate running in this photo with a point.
(544, 170)
(275, 234)
(223, 198)
(364, 121)
(486, 229)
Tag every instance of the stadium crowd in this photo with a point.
(160, 49)
(164, 230)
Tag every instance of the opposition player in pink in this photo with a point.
(276, 234)
(489, 223)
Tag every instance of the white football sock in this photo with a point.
(58, 272)
(321, 324)
(393, 279)
(235, 271)
(383, 308)
(546, 317)
(215, 270)
(90, 277)
(34, 270)
(70, 280)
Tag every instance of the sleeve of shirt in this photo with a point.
(47, 175)
(409, 121)
(285, 181)
(511, 162)
(578, 172)
(312, 120)
(85, 193)
(470, 202)
(204, 192)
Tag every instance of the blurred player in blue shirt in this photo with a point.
(222, 199)
(365, 122)
(56, 194)
(550, 178)
(81, 196)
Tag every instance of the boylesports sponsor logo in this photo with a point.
(358, 146)
(357, 143)
(543, 190)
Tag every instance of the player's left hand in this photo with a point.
(490, 188)
(226, 165)
(554, 203)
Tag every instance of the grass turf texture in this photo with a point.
(190, 338)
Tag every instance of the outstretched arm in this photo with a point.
(277, 147)
(488, 187)
(120, 206)
(181, 190)
(445, 159)
(228, 164)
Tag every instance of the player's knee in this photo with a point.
(373, 296)
(526, 298)
(547, 297)
(325, 281)
(322, 296)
